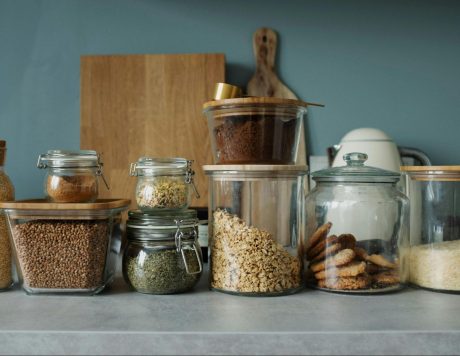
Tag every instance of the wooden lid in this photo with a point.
(425, 169)
(42, 204)
(216, 104)
(433, 173)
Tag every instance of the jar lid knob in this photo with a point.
(355, 159)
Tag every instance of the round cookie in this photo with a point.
(318, 235)
(345, 283)
(352, 269)
(340, 259)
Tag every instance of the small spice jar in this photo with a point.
(163, 183)
(358, 229)
(434, 259)
(162, 255)
(71, 175)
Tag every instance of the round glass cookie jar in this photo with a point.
(357, 228)
(71, 176)
(434, 193)
(162, 255)
(163, 183)
(256, 228)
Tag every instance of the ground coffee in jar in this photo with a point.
(255, 130)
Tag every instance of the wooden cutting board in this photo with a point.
(147, 105)
(265, 81)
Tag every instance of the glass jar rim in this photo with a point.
(153, 166)
(69, 159)
(162, 225)
(255, 170)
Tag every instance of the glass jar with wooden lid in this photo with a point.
(255, 130)
(434, 193)
(6, 194)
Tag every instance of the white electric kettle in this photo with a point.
(381, 150)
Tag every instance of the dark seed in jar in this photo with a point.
(64, 254)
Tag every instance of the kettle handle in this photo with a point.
(415, 153)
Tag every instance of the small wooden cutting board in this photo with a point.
(265, 81)
(147, 105)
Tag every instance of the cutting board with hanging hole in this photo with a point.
(265, 81)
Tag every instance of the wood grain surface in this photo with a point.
(147, 105)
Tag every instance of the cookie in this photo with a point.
(328, 251)
(345, 283)
(347, 241)
(361, 253)
(373, 269)
(318, 235)
(349, 270)
(340, 259)
(381, 261)
(385, 279)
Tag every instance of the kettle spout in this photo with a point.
(332, 152)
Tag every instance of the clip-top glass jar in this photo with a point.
(163, 255)
(358, 229)
(163, 183)
(434, 193)
(71, 175)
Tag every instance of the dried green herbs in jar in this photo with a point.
(162, 271)
(163, 255)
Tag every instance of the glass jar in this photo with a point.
(65, 248)
(434, 193)
(255, 226)
(255, 130)
(163, 183)
(6, 194)
(163, 255)
(71, 176)
(357, 229)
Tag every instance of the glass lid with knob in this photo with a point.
(355, 171)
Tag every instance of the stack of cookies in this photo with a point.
(338, 263)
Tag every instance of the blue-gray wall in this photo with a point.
(393, 65)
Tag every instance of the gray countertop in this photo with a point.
(119, 321)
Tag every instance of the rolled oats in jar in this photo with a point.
(255, 228)
(163, 183)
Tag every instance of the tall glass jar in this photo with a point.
(163, 255)
(163, 183)
(255, 227)
(357, 228)
(6, 194)
(72, 176)
(434, 193)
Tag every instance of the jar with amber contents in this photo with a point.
(72, 176)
